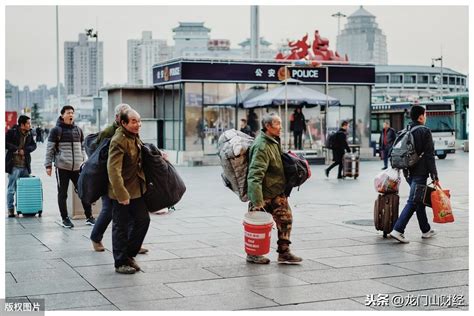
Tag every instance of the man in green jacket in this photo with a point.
(126, 188)
(266, 186)
(105, 216)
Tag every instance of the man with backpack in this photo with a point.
(338, 143)
(413, 151)
(65, 148)
(266, 186)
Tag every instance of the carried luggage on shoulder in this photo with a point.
(233, 151)
(351, 165)
(403, 154)
(29, 196)
(296, 169)
(93, 179)
(164, 186)
(386, 212)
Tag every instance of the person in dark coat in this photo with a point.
(298, 126)
(39, 134)
(340, 145)
(244, 128)
(19, 143)
(387, 137)
(418, 175)
(252, 121)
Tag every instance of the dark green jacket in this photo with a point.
(266, 177)
(126, 176)
(108, 132)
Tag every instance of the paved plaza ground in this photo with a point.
(197, 262)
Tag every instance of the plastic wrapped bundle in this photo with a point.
(388, 181)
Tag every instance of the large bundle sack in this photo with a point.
(403, 154)
(163, 184)
(93, 178)
(297, 171)
(233, 147)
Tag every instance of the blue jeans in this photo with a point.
(413, 207)
(12, 177)
(103, 221)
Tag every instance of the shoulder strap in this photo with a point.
(59, 136)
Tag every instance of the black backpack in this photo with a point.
(331, 140)
(163, 184)
(403, 154)
(296, 169)
(93, 178)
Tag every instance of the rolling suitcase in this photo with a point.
(351, 165)
(29, 196)
(386, 212)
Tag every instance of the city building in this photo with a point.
(12, 97)
(264, 52)
(142, 55)
(362, 40)
(406, 83)
(191, 39)
(83, 71)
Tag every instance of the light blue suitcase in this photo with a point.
(29, 196)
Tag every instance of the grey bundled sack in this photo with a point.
(233, 147)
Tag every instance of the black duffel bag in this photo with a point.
(164, 186)
(296, 169)
(93, 179)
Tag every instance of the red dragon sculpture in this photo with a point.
(319, 50)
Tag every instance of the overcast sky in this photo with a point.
(415, 34)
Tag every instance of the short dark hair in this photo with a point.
(23, 119)
(67, 107)
(416, 111)
(243, 120)
(344, 123)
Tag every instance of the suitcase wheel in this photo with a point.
(18, 212)
(385, 235)
(39, 213)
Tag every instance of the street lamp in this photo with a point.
(97, 101)
(339, 15)
(440, 81)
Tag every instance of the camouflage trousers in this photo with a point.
(281, 212)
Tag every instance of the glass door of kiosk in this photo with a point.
(217, 119)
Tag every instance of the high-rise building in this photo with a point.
(362, 40)
(12, 97)
(142, 55)
(83, 67)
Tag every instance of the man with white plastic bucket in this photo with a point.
(266, 186)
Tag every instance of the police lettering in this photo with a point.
(305, 73)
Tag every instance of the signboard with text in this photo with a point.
(264, 72)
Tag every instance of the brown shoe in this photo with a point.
(288, 257)
(11, 213)
(133, 264)
(258, 259)
(124, 269)
(98, 246)
(142, 251)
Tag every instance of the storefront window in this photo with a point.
(194, 137)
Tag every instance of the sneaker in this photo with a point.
(133, 264)
(98, 246)
(429, 234)
(67, 223)
(384, 168)
(124, 269)
(90, 221)
(288, 257)
(142, 251)
(399, 236)
(258, 259)
(326, 172)
(11, 213)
